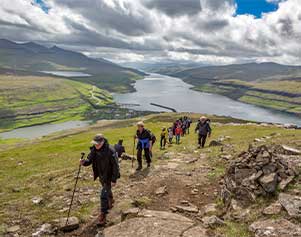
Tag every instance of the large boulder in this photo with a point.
(292, 204)
(275, 228)
(151, 223)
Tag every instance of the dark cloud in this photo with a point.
(175, 7)
(120, 17)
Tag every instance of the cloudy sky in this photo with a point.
(204, 31)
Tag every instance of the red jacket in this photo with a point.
(179, 131)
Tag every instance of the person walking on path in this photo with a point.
(163, 138)
(170, 135)
(105, 167)
(179, 133)
(204, 130)
(119, 148)
(144, 137)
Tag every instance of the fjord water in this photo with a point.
(67, 73)
(42, 130)
(175, 93)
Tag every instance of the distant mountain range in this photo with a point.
(32, 57)
(243, 72)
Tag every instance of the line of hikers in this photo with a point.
(105, 158)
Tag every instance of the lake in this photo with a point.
(175, 93)
(67, 73)
(42, 130)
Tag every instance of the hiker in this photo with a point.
(163, 138)
(203, 128)
(170, 135)
(119, 148)
(145, 142)
(105, 167)
(179, 133)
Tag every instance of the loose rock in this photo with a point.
(275, 228)
(292, 204)
(212, 221)
(73, 224)
(273, 209)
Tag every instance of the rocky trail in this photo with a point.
(232, 188)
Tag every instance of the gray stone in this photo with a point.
(13, 229)
(291, 151)
(191, 208)
(275, 228)
(151, 223)
(210, 208)
(197, 231)
(212, 221)
(269, 182)
(273, 209)
(37, 200)
(130, 213)
(285, 182)
(292, 204)
(45, 229)
(215, 143)
(161, 191)
(73, 223)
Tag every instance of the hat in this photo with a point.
(140, 124)
(203, 118)
(99, 138)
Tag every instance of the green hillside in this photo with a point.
(46, 169)
(31, 100)
(268, 85)
(35, 58)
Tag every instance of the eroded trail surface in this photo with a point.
(178, 183)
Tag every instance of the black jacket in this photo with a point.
(104, 163)
(203, 128)
(144, 135)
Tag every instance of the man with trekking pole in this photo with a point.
(105, 167)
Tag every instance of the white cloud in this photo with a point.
(200, 30)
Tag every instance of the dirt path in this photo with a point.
(185, 179)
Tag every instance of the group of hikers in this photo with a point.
(105, 158)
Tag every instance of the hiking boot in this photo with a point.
(102, 219)
(111, 203)
(139, 167)
(148, 165)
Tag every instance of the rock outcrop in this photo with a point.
(258, 172)
(155, 224)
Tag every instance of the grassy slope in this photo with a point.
(29, 100)
(268, 94)
(49, 166)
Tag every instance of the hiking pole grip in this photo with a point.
(74, 189)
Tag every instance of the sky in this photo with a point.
(212, 32)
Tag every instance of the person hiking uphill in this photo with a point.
(105, 167)
(170, 135)
(179, 133)
(119, 148)
(144, 137)
(163, 138)
(203, 128)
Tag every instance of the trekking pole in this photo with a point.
(133, 152)
(74, 189)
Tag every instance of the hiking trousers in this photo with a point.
(146, 153)
(163, 142)
(105, 195)
(178, 137)
(202, 140)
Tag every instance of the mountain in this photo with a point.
(33, 57)
(267, 85)
(166, 68)
(244, 72)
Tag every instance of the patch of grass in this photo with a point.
(232, 229)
